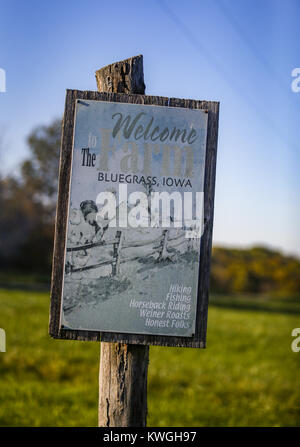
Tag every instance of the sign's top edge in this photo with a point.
(166, 98)
(83, 101)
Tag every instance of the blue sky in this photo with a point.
(239, 52)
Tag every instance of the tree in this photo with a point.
(28, 204)
(40, 172)
(255, 270)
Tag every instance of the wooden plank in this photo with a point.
(88, 246)
(135, 244)
(199, 338)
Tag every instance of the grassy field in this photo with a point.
(247, 376)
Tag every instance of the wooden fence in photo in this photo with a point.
(164, 241)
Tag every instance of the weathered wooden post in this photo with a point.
(123, 368)
(147, 306)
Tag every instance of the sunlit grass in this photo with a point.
(246, 376)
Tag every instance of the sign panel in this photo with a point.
(133, 223)
(132, 254)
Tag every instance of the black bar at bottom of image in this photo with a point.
(149, 436)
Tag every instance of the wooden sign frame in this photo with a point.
(199, 338)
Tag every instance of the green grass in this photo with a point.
(247, 376)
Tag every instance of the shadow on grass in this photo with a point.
(260, 303)
(27, 287)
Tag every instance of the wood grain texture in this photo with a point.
(123, 385)
(123, 369)
(199, 339)
(122, 77)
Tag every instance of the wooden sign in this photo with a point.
(134, 219)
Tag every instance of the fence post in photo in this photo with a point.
(123, 368)
(117, 253)
(163, 251)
